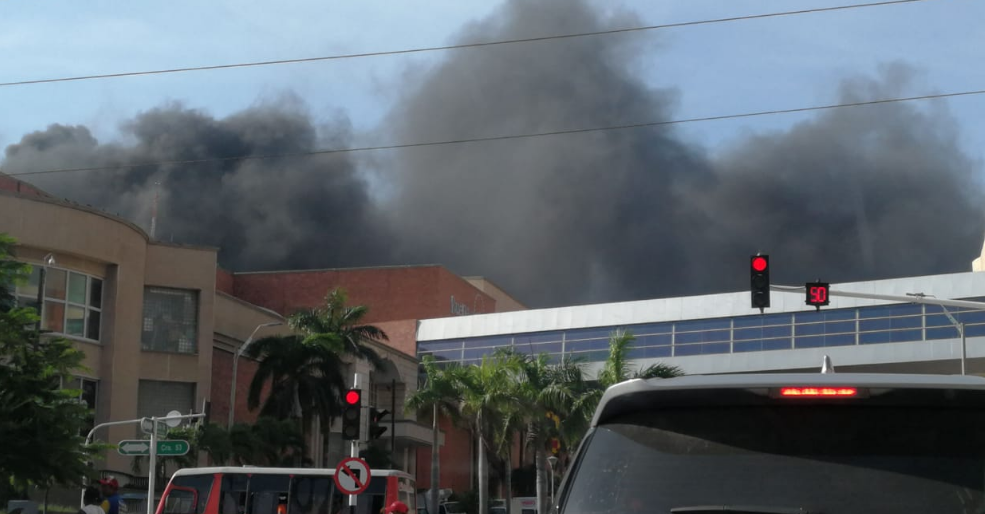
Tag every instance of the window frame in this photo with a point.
(195, 295)
(26, 298)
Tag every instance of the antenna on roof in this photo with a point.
(826, 366)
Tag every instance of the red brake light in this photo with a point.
(352, 397)
(798, 392)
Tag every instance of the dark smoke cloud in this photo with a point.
(848, 194)
(853, 194)
(263, 214)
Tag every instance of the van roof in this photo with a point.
(704, 385)
(253, 470)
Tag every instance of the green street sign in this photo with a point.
(164, 448)
(172, 447)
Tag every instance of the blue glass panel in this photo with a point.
(432, 346)
(579, 346)
(650, 328)
(971, 317)
(747, 346)
(747, 334)
(763, 321)
(704, 324)
(805, 329)
(809, 341)
(773, 332)
(488, 342)
(874, 337)
(448, 354)
(546, 348)
(974, 330)
(708, 349)
(880, 311)
(478, 353)
(776, 344)
(868, 325)
(943, 333)
(899, 336)
(839, 339)
(653, 340)
(710, 336)
(840, 327)
(635, 353)
(589, 333)
(543, 337)
(838, 315)
(691, 349)
(656, 351)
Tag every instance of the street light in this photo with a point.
(49, 260)
(552, 460)
(959, 326)
(239, 353)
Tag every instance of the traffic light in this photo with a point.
(759, 272)
(352, 411)
(375, 417)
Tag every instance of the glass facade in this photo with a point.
(756, 333)
(72, 302)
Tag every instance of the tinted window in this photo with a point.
(233, 499)
(314, 495)
(201, 484)
(837, 459)
(180, 501)
(266, 492)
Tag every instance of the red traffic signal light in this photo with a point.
(353, 397)
(759, 263)
(759, 278)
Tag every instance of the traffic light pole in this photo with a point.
(909, 298)
(354, 444)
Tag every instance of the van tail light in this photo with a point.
(818, 392)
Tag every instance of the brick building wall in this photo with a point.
(222, 372)
(395, 293)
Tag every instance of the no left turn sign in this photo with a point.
(352, 476)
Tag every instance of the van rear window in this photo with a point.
(845, 459)
(183, 501)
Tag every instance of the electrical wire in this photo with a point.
(510, 136)
(457, 47)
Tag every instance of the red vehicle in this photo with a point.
(254, 490)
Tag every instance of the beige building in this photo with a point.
(157, 334)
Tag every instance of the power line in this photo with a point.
(458, 47)
(512, 136)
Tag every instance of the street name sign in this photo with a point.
(168, 448)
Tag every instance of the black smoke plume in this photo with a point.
(858, 193)
(288, 212)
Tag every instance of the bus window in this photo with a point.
(311, 495)
(267, 493)
(372, 499)
(233, 499)
(180, 501)
(406, 493)
(189, 495)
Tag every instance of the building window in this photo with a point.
(72, 302)
(157, 398)
(88, 392)
(170, 320)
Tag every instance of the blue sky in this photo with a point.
(717, 69)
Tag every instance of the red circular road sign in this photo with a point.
(352, 476)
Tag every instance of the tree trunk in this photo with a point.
(435, 475)
(508, 494)
(540, 459)
(483, 475)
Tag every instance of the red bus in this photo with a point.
(255, 490)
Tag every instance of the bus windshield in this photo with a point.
(837, 459)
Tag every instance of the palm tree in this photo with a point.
(546, 388)
(306, 370)
(483, 392)
(437, 393)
